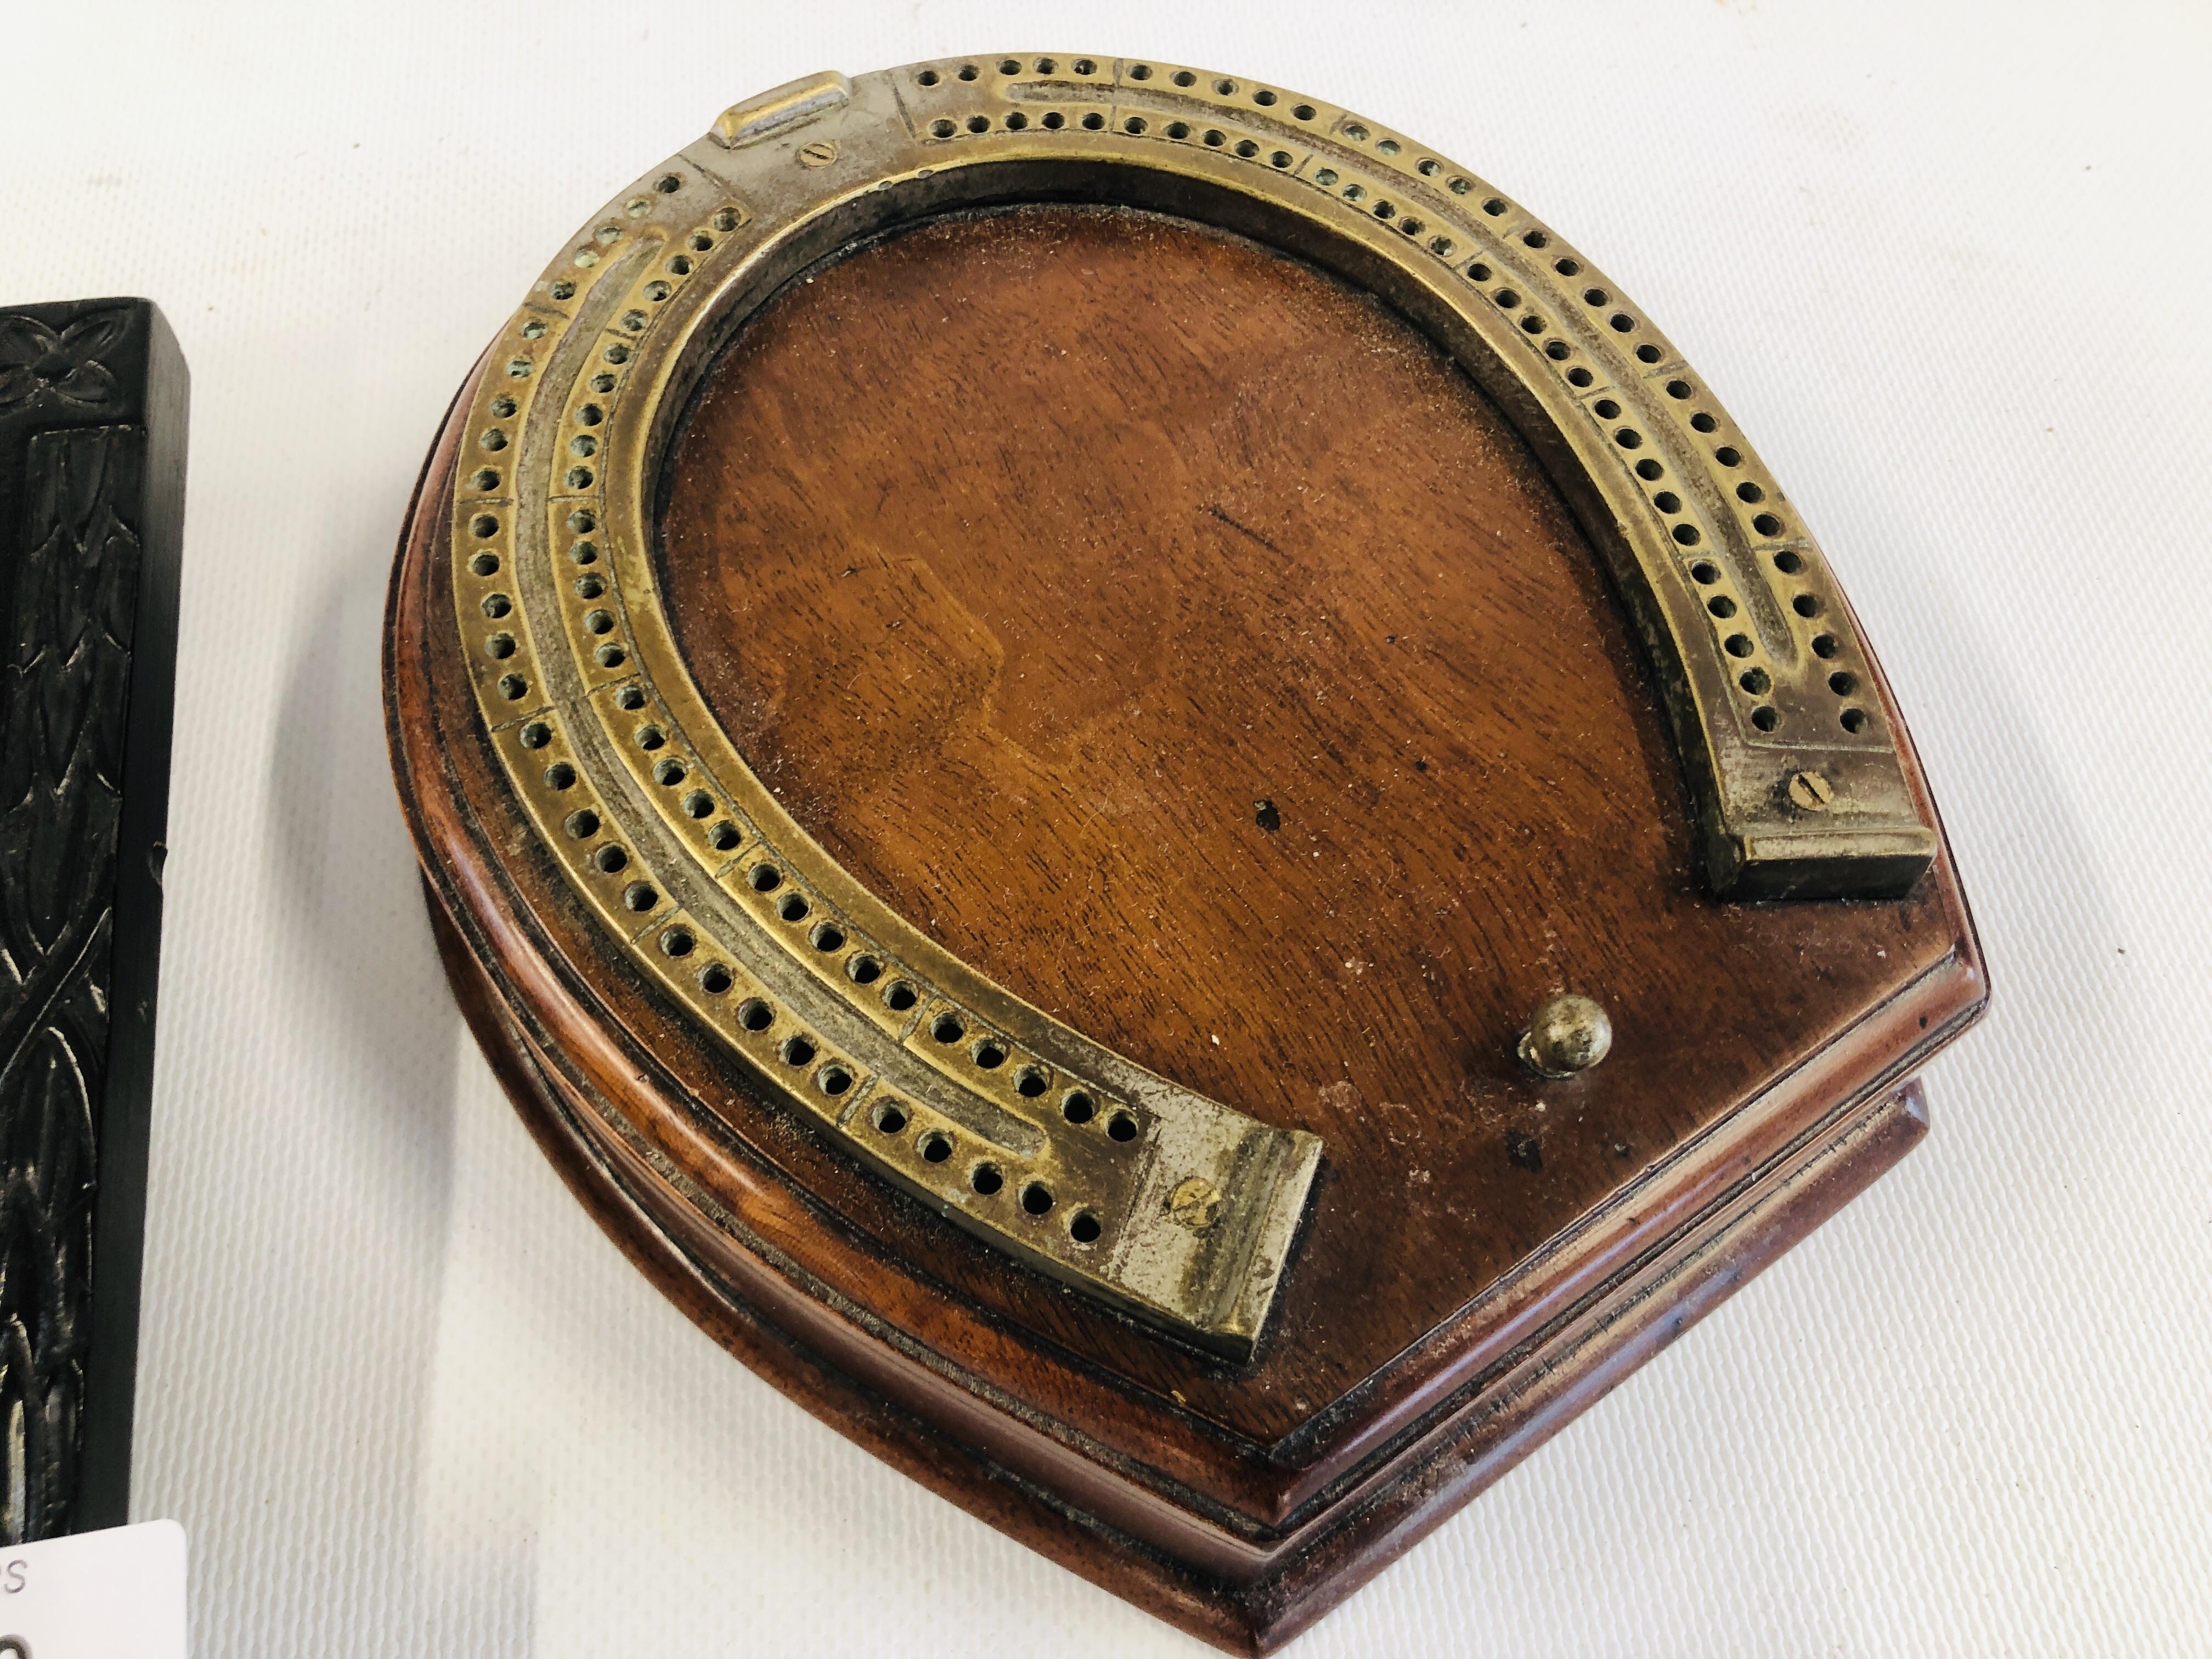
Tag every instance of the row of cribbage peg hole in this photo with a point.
(1753, 679)
(583, 446)
(633, 320)
(933, 1145)
(889, 1117)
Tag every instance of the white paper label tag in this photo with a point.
(114, 1595)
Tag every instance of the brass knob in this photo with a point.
(1567, 1035)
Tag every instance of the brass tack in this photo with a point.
(1195, 1204)
(1811, 792)
(1567, 1035)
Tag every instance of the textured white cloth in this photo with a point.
(1945, 263)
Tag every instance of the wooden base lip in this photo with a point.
(1603, 1351)
(1261, 1496)
(899, 1438)
(1245, 1587)
(1941, 1004)
(1228, 1541)
(1943, 1000)
(1263, 1599)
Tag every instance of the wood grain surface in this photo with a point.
(1187, 643)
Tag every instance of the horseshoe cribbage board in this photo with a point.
(1150, 799)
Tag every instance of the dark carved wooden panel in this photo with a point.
(92, 409)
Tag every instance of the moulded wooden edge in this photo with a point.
(1266, 1498)
(1368, 1527)
(1350, 1494)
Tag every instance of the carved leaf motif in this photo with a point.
(35, 359)
(67, 685)
(64, 689)
(46, 1221)
(24, 341)
(89, 384)
(93, 335)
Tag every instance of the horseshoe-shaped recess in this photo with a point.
(1170, 1206)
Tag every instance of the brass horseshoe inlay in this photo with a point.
(1013, 1124)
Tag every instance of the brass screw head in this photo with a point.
(1567, 1035)
(819, 154)
(1811, 792)
(1195, 1204)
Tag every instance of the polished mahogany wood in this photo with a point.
(1186, 643)
(1028, 555)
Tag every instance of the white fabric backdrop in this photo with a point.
(1946, 263)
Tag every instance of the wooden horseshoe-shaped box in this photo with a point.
(1146, 795)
